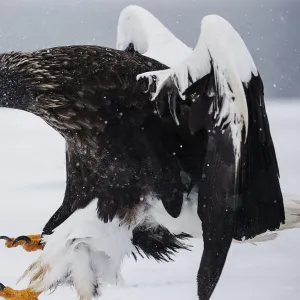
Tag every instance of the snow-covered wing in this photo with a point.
(221, 49)
(222, 52)
(226, 92)
(149, 37)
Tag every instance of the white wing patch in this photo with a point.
(219, 47)
(149, 37)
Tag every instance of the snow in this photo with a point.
(32, 187)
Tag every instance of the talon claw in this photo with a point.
(2, 287)
(3, 237)
(24, 238)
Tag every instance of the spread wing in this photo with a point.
(206, 129)
(139, 30)
(218, 92)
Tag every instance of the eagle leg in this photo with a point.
(30, 243)
(11, 294)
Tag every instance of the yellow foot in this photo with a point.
(29, 243)
(10, 294)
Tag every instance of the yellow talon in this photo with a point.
(29, 243)
(10, 294)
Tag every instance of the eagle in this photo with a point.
(141, 134)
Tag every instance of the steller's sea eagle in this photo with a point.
(138, 134)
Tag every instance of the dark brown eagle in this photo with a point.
(138, 134)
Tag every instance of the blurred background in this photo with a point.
(270, 29)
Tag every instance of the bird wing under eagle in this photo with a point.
(137, 133)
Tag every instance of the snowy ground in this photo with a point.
(32, 187)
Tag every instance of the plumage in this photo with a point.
(138, 29)
(137, 133)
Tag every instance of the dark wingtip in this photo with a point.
(2, 287)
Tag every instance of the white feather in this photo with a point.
(84, 273)
(83, 249)
(149, 36)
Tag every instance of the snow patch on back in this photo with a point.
(149, 37)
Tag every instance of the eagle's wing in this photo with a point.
(139, 30)
(222, 91)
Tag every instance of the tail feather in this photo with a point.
(292, 220)
(158, 242)
(292, 213)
